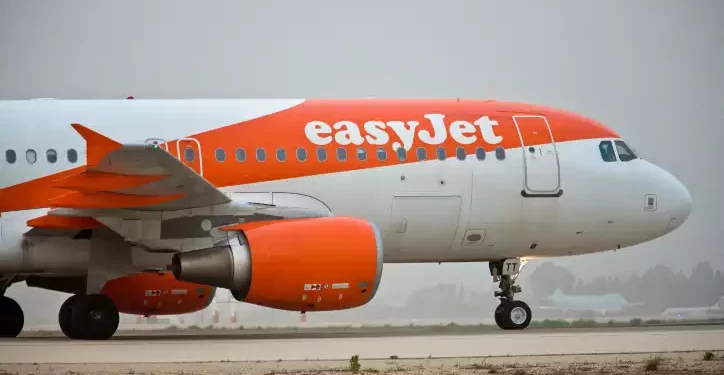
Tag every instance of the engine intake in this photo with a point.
(316, 264)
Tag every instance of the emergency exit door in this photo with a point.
(189, 152)
(542, 169)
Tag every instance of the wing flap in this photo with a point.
(99, 181)
(107, 199)
(64, 222)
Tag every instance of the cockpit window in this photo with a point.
(607, 153)
(624, 152)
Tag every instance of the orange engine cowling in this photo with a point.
(157, 294)
(317, 264)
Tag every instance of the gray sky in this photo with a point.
(653, 70)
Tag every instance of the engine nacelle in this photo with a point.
(316, 264)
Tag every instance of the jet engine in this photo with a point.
(315, 264)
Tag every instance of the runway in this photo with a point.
(524, 343)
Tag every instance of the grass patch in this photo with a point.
(582, 323)
(652, 364)
(354, 364)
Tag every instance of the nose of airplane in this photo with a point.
(681, 203)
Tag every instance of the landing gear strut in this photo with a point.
(88, 317)
(510, 314)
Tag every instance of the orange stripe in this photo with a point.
(286, 130)
(64, 222)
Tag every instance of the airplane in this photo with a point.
(714, 310)
(598, 305)
(147, 206)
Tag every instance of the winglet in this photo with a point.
(97, 145)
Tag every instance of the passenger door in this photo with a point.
(542, 169)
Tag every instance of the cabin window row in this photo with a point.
(31, 156)
(51, 155)
(280, 154)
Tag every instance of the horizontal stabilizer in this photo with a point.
(63, 222)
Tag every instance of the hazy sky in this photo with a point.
(653, 70)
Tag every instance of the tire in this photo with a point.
(499, 316)
(12, 318)
(95, 317)
(513, 315)
(65, 318)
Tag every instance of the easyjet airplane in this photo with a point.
(147, 206)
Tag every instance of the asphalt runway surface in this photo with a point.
(235, 348)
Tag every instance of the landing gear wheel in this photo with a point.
(513, 315)
(65, 318)
(12, 318)
(94, 317)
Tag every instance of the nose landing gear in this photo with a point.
(510, 314)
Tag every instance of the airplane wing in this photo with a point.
(135, 189)
(139, 177)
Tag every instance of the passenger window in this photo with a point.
(321, 154)
(281, 154)
(260, 154)
(189, 154)
(441, 154)
(607, 153)
(51, 155)
(220, 155)
(421, 153)
(361, 154)
(480, 153)
(31, 156)
(401, 154)
(381, 154)
(10, 156)
(341, 154)
(72, 155)
(240, 154)
(624, 152)
(460, 153)
(500, 153)
(301, 154)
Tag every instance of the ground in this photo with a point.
(670, 363)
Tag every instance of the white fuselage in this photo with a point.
(429, 211)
